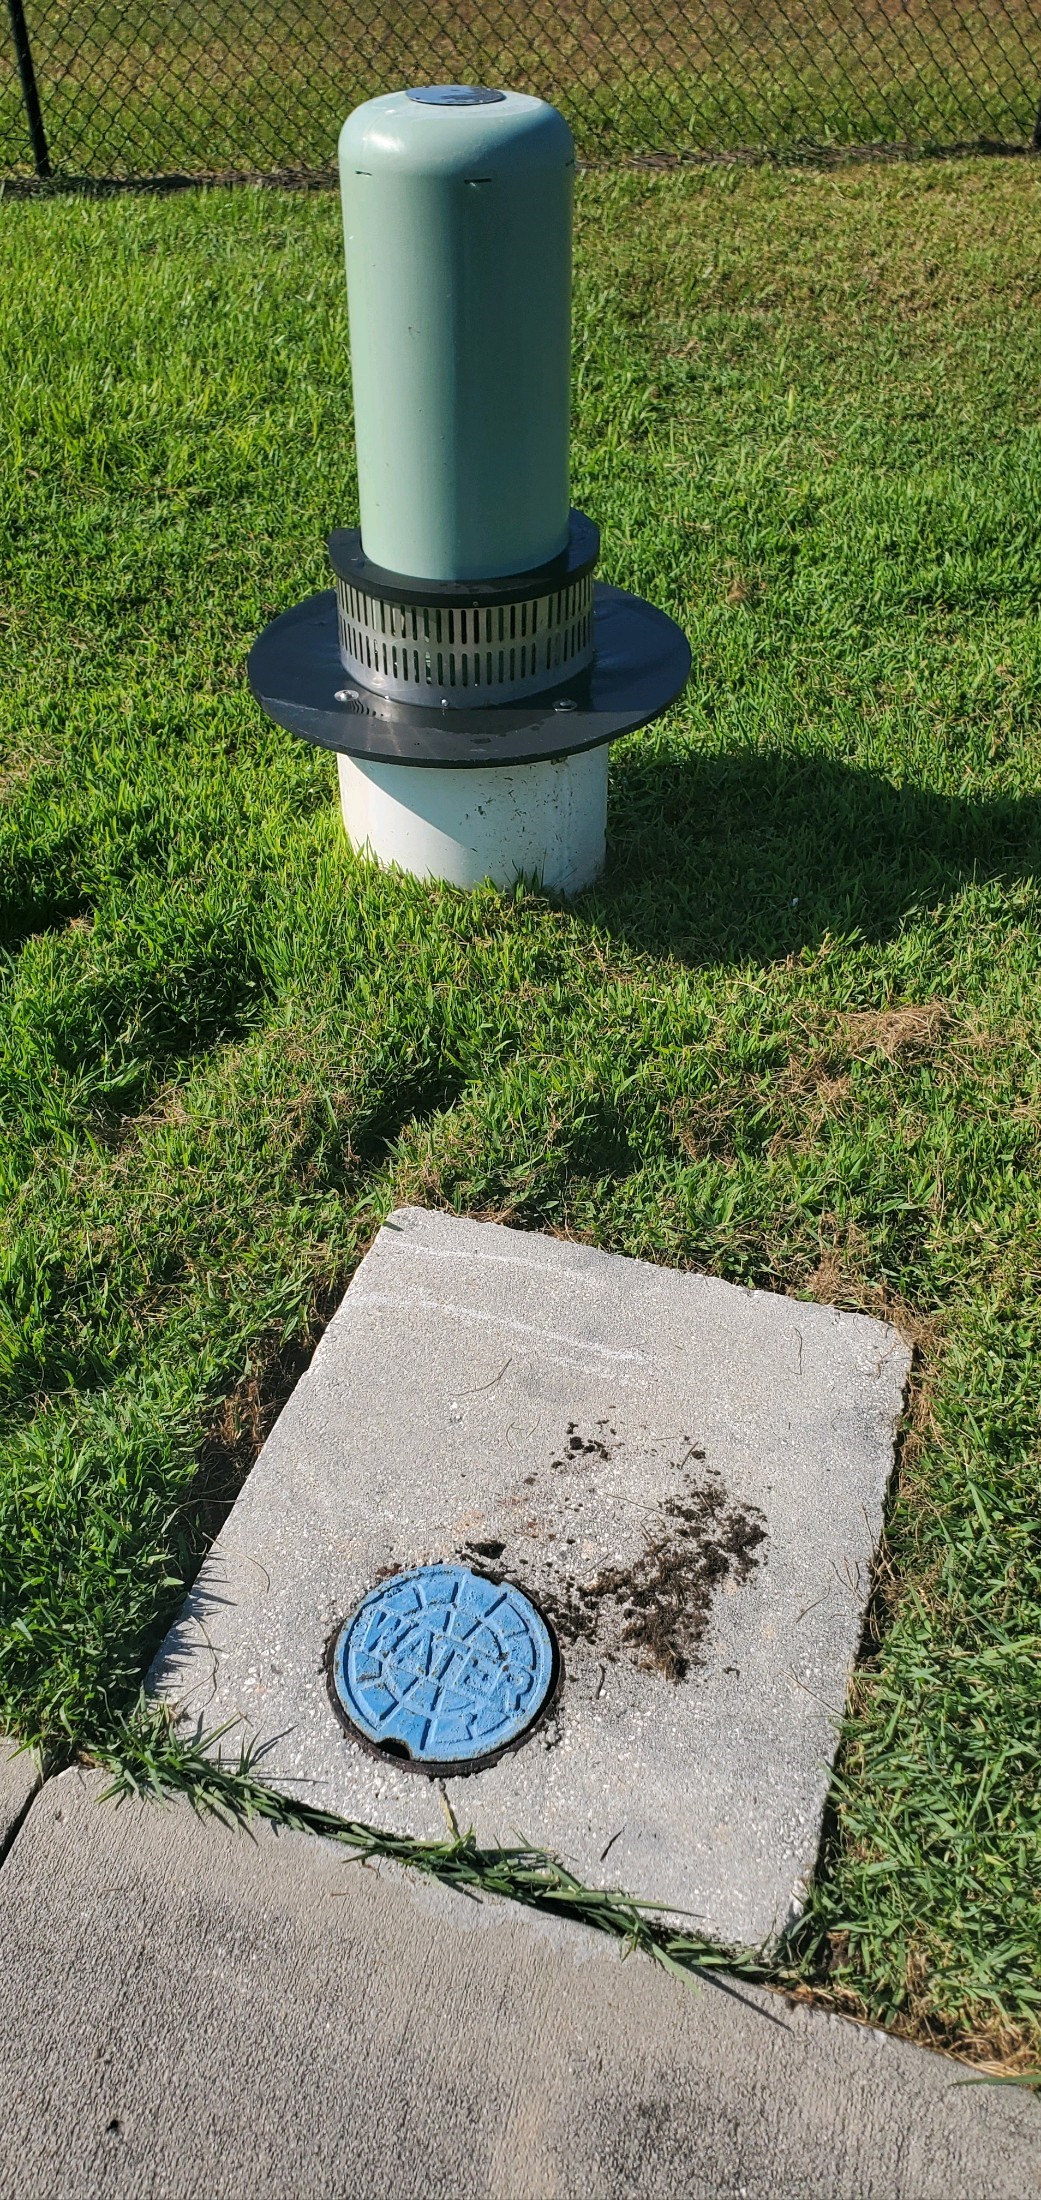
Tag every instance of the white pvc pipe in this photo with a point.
(470, 823)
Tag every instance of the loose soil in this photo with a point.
(656, 1610)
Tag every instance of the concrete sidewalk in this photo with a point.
(19, 1780)
(187, 2013)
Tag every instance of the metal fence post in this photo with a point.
(30, 95)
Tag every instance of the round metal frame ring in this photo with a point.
(441, 1670)
(454, 95)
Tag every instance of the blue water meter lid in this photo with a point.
(454, 95)
(442, 1668)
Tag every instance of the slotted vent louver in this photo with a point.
(477, 653)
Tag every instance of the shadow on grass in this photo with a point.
(751, 858)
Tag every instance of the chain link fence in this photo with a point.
(125, 89)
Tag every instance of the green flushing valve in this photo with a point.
(468, 670)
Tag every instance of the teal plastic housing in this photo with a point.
(457, 229)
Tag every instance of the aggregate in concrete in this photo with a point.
(648, 1454)
(19, 1780)
(186, 2012)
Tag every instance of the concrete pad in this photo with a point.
(688, 1477)
(187, 2012)
(19, 1780)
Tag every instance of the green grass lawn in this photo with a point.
(794, 1037)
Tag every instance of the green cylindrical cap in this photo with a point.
(457, 225)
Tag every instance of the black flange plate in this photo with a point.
(642, 661)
